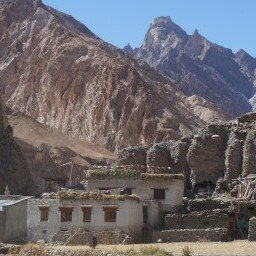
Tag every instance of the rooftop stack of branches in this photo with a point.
(93, 196)
(151, 176)
(112, 173)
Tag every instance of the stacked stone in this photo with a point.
(252, 229)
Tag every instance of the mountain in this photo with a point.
(14, 171)
(45, 151)
(54, 70)
(200, 67)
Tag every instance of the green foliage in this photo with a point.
(186, 251)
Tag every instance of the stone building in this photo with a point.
(167, 189)
(130, 202)
(49, 217)
(13, 218)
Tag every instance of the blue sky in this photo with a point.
(230, 23)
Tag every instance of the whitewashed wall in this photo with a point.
(129, 218)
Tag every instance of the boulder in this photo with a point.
(135, 157)
(206, 159)
(234, 155)
(159, 159)
(249, 154)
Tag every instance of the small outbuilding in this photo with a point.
(13, 218)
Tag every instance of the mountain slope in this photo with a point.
(55, 70)
(199, 66)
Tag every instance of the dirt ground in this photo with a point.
(235, 248)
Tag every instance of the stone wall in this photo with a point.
(198, 221)
(252, 229)
(191, 235)
(206, 204)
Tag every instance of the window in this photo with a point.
(87, 212)
(66, 213)
(126, 191)
(44, 213)
(110, 214)
(159, 194)
(145, 214)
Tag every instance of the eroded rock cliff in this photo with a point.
(14, 172)
(55, 70)
(218, 152)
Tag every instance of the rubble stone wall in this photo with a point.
(191, 235)
(252, 229)
(198, 221)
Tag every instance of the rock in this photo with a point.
(252, 229)
(234, 155)
(159, 159)
(206, 160)
(62, 75)
(249, 154)
(249, 117)
(135, 157)
(179, 151)
(14, 172)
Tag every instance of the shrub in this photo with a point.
(32, 250)
(153, 251)
(186, 251)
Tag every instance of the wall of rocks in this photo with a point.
(225, 151)
(198, 221)
(252, 229)
(84, 237)
(191, 235)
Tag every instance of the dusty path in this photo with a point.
(236, 248)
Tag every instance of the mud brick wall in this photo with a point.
(191, 235)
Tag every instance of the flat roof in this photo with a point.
(10, 200)
(6, 203)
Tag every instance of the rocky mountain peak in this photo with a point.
(196, 33)
(128, 49)
(164, 26)
(163, 20)
(201, 67)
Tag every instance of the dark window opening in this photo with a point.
(126, 191)
(44, 213)
(145, 214)
(66, 214)
(110, 214)
(87, 213)
(159, 194)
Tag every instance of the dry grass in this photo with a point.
(128, 174)
(235, 248)
(86, 195)
(151, 176)
(111, 174)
